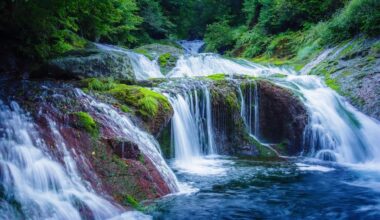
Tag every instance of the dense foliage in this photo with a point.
(42, 29)
(293, 28)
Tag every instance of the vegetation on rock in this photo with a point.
(86, 122)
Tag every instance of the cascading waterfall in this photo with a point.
(34, 186)
(191, 47)
(192, 125)
(336, 130)
(127, 129)
(143, 68)
(249, 110)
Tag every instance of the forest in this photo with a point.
(42, 29)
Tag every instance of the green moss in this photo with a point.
(332, 83)
(266, 60)
(376, 47)
(128, 199)
(99, 84)
(125, 109)
(86, 122)
(146, 101)
(232, 101)
(163, 59)
(217, 77)
(148, 106)
(142, 159)
(165, 142)
(264, 152)
(279, 75)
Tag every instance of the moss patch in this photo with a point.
(130, 200)
(163, 59)
(86, 122)
(146, 101)
(217, 77)
(99, 84)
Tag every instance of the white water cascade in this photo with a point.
(35, 186)
(122, 125)
(336, 130)
(192, 131)
(191, 47)
(249, 108)
(143, 68)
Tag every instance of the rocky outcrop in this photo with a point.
(113, 164)
(89, 62)
(283, 117)
(353, 70)
(166, 55)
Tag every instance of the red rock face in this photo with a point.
(113, 165)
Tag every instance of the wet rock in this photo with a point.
(111, 163)
(355, 70)
(89, 62)
(166, 55)
(283, 117)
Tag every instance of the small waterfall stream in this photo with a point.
(249, 105)
(127, 129)
(143, 68)
(35, 186)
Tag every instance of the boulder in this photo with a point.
(90, 62)
(282, 117)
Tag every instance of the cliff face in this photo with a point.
(353, 70)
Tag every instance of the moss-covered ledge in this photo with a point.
(152, 108)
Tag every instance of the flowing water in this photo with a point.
(35, 186)
(143, 67)
(338, 177)
(127, 129)
(192, 130)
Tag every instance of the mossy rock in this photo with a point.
(154, 108)
(85, 121)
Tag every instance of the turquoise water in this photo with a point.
(299, 189)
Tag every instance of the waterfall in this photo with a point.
(122, 125)
(249, 108)
(336, 130)
(35, 186)
(191, 47)
(143, 68)
(192, 130)
(256, 110)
